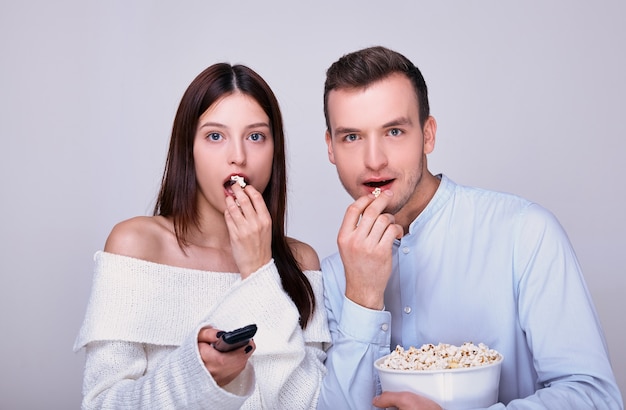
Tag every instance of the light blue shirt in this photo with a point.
(477, 266)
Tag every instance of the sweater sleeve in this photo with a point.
(116, 378)
(140, 338)
(288, 361)
(131, 365)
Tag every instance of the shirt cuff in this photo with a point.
(365, 325)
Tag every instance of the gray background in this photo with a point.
(529, 97)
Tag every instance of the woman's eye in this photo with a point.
(394, 132)
(256, 136)
(214, 136)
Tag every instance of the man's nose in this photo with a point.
(375, 156)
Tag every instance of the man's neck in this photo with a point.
(424, 192)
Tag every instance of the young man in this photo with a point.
(429, 261)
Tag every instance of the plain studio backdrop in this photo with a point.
(529, 98)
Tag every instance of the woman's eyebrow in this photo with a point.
(213, 124)
(258, 124)
(220, 125)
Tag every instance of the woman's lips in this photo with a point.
(235, 179)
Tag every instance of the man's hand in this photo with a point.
(365, 241)
(404, 401)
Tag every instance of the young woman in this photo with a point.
(214, 257)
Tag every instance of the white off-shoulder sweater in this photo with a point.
(140, 337)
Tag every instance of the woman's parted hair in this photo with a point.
(177, 196)
(361, 68)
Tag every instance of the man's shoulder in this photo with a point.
(500, 206)
(332, 271)
(488, 197)
(332, 262)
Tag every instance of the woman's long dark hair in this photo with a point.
(177, 196)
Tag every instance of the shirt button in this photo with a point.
(384, 327)
(407, 309)
(406, 250)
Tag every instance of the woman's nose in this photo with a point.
(237, 153)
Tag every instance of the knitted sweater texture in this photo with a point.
(140, 338)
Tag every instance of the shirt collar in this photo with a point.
(442, 195)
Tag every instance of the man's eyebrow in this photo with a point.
(393, 123)
(345, 130)
(398, 121)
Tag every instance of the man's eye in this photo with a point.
(351, 137)
(394, 132)
(214, 136)
(256, 136)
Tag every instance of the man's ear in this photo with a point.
(329, 143)
(430, 130)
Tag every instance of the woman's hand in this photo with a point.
(224, 367)
(250, 228)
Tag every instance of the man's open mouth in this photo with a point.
(378, 184)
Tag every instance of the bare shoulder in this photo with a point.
(142, 237)
(305, 254)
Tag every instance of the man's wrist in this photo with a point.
(374, 302)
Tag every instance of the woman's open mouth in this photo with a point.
(235, 179)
